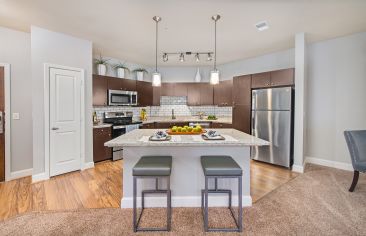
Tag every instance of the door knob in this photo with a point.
(55, 128)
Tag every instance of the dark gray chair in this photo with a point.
(152, 167)
(221, 167)
(356, 142)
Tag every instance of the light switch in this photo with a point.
(16, 116)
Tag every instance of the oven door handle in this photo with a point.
(119, 127)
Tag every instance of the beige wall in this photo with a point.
(59, 49)
(336, 95)
(15, 50)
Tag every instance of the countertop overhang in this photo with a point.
(134, 139)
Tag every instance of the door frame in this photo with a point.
(7, 111)
(47, 68)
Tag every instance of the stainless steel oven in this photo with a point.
(122, 98)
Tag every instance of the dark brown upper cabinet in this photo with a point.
(276, 78)
(223, 93)
(100, 87)
(241, 118)
(242, 103)
(167, 89)
(144, 93)
(206, 94)
(242, 90)
(121, 84)
(282, 77)
(193, 94)
(156, 96)
(261, 80)
(180, 89)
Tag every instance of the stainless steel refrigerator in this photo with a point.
(272, 120)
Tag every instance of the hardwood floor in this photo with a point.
(101, 187)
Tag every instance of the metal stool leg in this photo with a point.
(169, 205)
(136, 217)
(134, 204)
(204, 204)
(240, 195)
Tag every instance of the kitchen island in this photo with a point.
(187, 177)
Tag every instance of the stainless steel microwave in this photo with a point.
(122, 98)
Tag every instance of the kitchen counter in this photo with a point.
(152, 119)
(139, 138)
(187, 178)
(101, 125)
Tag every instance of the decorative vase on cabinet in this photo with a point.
(120, 73)
(140, 75)
(102, 69)
(198, 76)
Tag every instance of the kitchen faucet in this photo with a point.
(173, 116)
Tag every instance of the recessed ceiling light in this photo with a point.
(262, 25)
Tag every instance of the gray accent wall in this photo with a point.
(336, 95)
(15, 49)
(60, 49)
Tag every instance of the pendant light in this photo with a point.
(156, 76)
(215, 75)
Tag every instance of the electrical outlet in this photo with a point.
(16, 116)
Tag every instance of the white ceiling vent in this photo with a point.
(262, 25)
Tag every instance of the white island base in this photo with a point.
(187, 179)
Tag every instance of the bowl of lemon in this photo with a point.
(186, 130)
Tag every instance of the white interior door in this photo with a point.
(65, 121)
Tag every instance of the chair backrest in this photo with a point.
(356, 142)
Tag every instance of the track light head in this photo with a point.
(197, 56)
(181, 57)
(165, 57)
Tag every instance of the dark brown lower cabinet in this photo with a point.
(167, 125)
(218, 125)
(148, 126)
(241, 118)
(100, 136)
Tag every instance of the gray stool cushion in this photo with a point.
(220, 166)
(153, 166)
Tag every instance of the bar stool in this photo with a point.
(152, 167)
(219, 167)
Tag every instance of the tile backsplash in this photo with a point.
(167, 103)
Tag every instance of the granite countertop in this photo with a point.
(101, 125)
(152, 119)
(140, 137)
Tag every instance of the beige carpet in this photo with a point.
(315, 203)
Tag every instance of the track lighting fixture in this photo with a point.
(182, 55)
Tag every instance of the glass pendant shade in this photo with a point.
(156, 79)
(215, 77)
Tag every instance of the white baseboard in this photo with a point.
(189, 201)
(298, 168)
(20, 174)
(40, 177)
(87, 165)
(328, 163)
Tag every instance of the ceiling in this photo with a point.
(124, 29)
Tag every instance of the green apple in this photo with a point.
(190, 129)
(179, 129)
(184, 130)
(174, 129)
